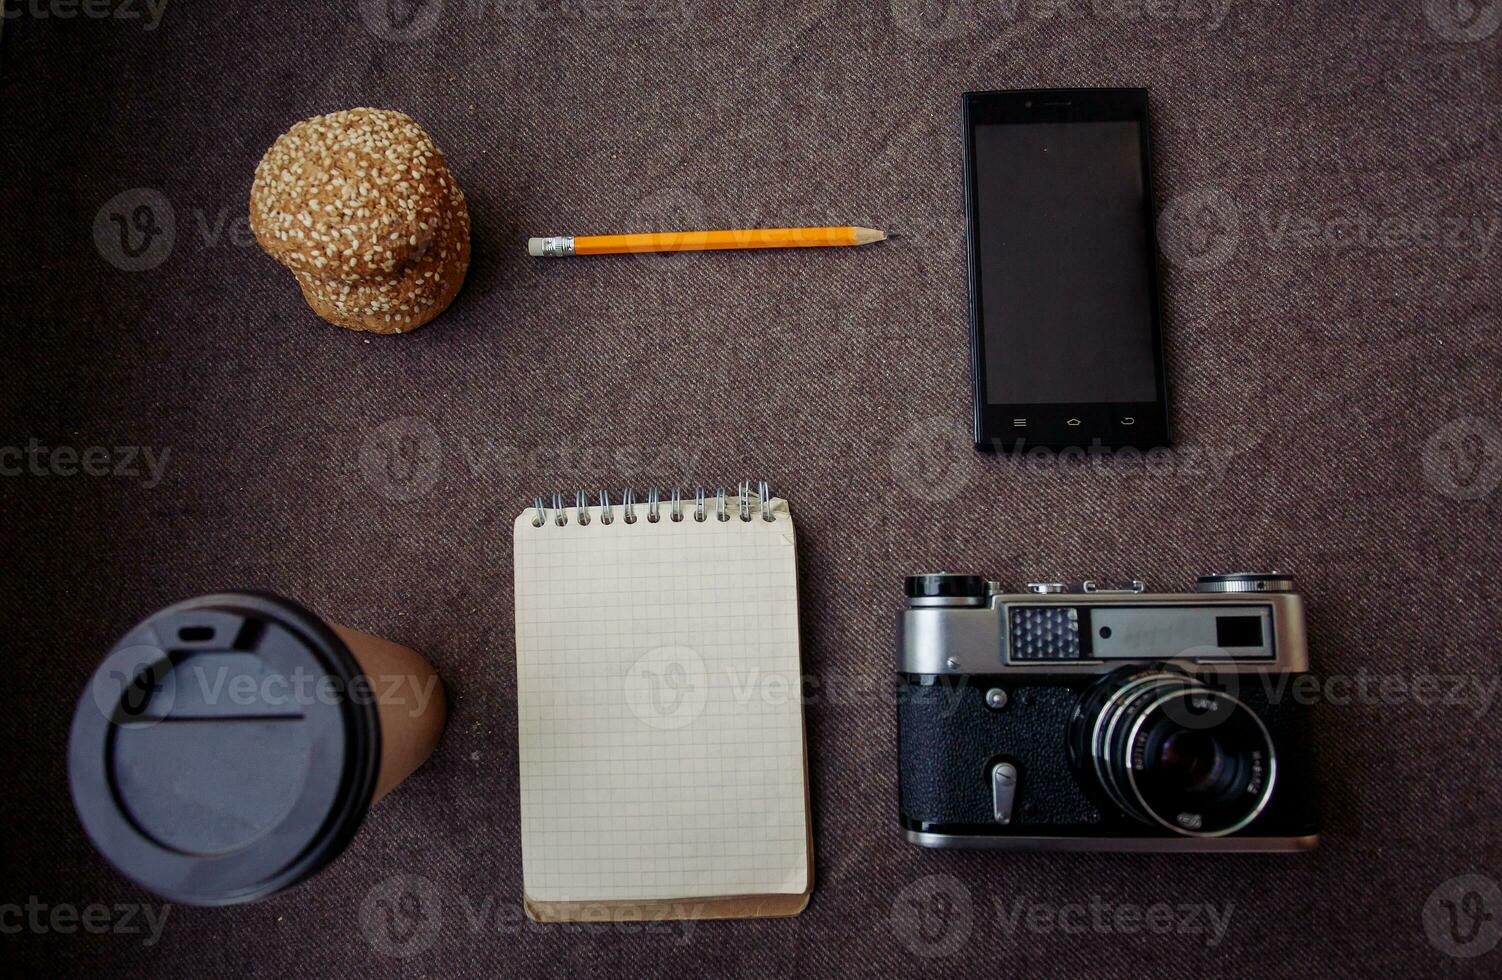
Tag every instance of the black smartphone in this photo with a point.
(1066, 332)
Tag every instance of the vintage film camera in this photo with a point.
(1107, 719)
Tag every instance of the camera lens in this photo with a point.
(1193, 759)
(1171, 751)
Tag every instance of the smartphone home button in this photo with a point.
(1073, 422)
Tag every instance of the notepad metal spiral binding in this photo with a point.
(747, 504)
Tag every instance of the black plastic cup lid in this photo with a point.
(218, 755)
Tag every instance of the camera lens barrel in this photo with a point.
(1169, 750)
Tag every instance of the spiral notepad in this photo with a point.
(660, 715)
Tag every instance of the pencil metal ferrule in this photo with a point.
(557, 246)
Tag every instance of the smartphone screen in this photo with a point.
(1064, 293)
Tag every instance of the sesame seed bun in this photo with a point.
(361, 207)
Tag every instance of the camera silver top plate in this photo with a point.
(1026, 633)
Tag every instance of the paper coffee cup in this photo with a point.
(229, 746)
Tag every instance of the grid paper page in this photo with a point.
(660, 721)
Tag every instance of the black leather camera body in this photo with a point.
(1105, 718)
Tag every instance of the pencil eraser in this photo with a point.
(534, 247)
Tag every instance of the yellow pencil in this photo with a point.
(558, 246)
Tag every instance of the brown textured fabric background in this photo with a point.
(1328, 175)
